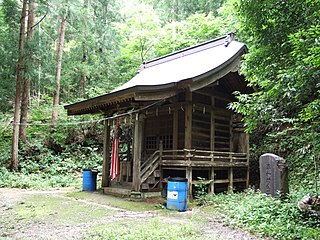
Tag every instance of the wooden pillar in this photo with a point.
(160, 164)
(212, 124)
(137, 150)
(212, 181)
(188, 139)
(106, 154)
(188, 121)
(230, 170)
(189, 177)
(175, 129)
(248, 160)
(212, 139)
(231, 148)
(230, 176)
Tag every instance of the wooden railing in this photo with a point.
(193, 158)
(201, 158)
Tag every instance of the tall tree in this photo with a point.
(10, 13)
(283, 62)
(16, 118)
(56, 97)
(26, 81)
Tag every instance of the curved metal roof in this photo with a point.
(193, 67)
(186, 64)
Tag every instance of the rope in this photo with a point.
(87, 121)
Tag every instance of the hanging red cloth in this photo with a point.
(115, 164)
(115, 161)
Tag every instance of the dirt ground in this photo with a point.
(67, 214)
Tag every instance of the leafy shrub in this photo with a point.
(36, 181)
(265, 216)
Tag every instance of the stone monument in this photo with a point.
(273, 175)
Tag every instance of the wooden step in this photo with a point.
(157, 173)
(151, 179)
(145, 186)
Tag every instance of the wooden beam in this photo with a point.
(106, 154)
(151, 96)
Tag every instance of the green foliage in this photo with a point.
(282, 63)
(50, 159)
(36, 180)
(201, 188)
(169, 10)
(265, 216)
(283, 66)
(9, 19)
(195, 29)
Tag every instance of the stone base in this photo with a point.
(129, 193)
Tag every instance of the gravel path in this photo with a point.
(13, 227)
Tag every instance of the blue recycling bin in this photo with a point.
(89, 180)
(177, 194)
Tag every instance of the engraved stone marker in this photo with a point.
(273, 175)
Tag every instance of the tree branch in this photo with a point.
(40, 20)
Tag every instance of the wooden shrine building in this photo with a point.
(176, 109)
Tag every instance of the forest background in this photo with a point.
(57, 52)
(102, 44)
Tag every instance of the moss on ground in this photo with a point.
(123, 203)
(58, 210)
(154, 229)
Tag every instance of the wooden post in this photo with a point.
(106, 154)
(188, 121)
(248, 160)
(212, 138)
(212, 181)
(231, 148)
(160, 164)
(212, 124)
(188, 140)
(212, 175)
(175, 129)
(230, 170)
(137, 150)
(189, 177)
(189, 174)
(230, 176)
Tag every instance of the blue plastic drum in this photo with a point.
(177, 194)
(89, 180)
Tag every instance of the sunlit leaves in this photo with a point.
(283, 61)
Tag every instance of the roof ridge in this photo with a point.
(226, 39)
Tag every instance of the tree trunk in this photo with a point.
(16, 117)
(84, 74)
(176, 10)
(26, 82)
(55, 109)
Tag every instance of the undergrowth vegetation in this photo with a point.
(51, 158)
(265, 216)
